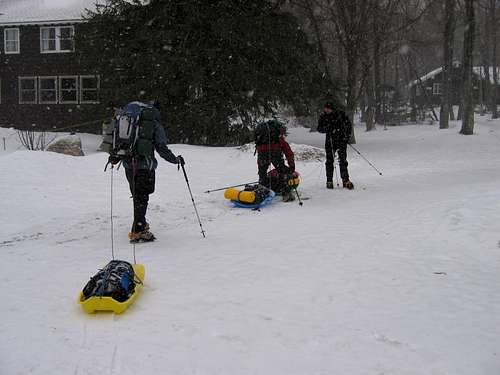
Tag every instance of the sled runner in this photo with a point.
(253, 196)
(113, 288)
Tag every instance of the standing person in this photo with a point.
(270, 147)
(336, 125)
(138, 157)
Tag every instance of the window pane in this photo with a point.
(89, 82)
(47, 83)
(66, 33)
(11, 35)
(68, 96)
(66, 44)
(49, 33)
(69, 91)
(28, 96)
(89, 96)
(11, 46)
(48, 96)
(48, 45)
(68, 83)
(28, 84)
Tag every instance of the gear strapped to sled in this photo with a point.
(113, 288)
(253, 196)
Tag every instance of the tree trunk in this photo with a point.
(352, 79)
(494, 91)
(468, 99)
(486, 57)
(449, 29)
(377, 78)
(370, 101)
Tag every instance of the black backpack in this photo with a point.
(261, 193)
(115, 280)
(133, 131)
(268, 132)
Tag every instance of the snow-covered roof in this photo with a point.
(431, 74)
(18, 12)
(480, 71)
(477, 70)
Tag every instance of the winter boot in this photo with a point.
(329, 184)
(348, 184)
(288, 197)
(144, 236)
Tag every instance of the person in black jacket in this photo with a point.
(336, 125)
(140, 168)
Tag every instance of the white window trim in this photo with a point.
(20, 89)
(58, 39)
(61, 90)
(40, 90)
(18, 41)
(98, 88)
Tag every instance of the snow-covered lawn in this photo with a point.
(400, 276)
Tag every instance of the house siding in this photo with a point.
(30, 62)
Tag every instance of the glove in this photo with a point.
(180, 160)
(113, 159)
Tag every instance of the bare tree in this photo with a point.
(494, 36)
(468, 54)
(33, 140)
(449, 31)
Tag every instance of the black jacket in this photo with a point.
(336, 125)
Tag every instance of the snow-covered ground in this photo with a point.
(400, 276)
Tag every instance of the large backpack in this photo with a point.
(133, 131)
(268, 132)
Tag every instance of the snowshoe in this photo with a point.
(144, 236)
(348, 184)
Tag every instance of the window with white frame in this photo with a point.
(27, 90)
(57, 39)
(89, 89)
(436, 89)
(68, 89)
(47, 90)
(11, 41)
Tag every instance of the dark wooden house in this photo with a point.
(426, 91)
(42, 84)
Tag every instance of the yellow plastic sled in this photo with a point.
(93, 304)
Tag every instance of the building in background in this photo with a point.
(42, 83)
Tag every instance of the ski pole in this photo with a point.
(298, 196)
(192, 199)
(232, 186)
(359, 153)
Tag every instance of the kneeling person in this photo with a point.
(271, 146)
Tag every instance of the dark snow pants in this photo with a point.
(274, 157)
(141, 183)
(341, 149)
